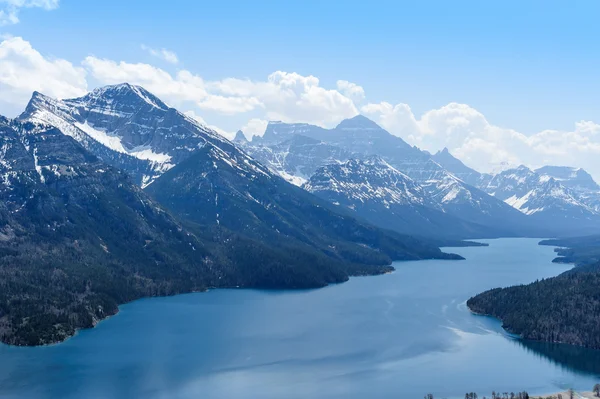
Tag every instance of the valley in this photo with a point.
(115, 196)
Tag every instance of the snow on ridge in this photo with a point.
(115, 144)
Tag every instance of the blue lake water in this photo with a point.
(400, 335)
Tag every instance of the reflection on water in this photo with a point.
(568, 357)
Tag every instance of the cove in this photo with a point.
(399, 335)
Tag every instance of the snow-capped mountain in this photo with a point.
(126, 126)
(543, 198)
(578, 180)
(383, 195)
(210, 189)
(367, 180)
(358, 135)
(361, 138)
(296, 158)
(455, 166)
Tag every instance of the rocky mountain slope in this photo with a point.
(544, 199)
(578, 181)
(239, 194)
(455, 166)
(360, 138)
(127, 127)
(383, 195)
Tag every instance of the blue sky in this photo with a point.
(523, 66)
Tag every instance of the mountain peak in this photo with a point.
(120, 94)
(576, 178)
(358, 122)
(240, 137)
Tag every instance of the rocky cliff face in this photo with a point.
(126, 126)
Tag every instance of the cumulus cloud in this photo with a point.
(254, 127)
(176, 89)
(9, 9)
(162, 53)
(24, 70)
(351, 90)
(473, 139)
(291, 97)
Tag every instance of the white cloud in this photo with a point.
(229, 105)
(181, 88)
(255, 127)
(290, 97)
(162, 53)
(9, 9)
(472, 138)
(351, 90)
(24, 70)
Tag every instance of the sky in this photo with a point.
(512, 82)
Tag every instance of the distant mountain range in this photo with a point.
(562, 200)
(383, 195)
(297, 151)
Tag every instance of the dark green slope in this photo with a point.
(562, 309)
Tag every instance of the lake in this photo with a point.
(399, 335)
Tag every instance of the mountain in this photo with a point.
(126, 119)
(455, 166)
(358, 135)
(298, 157)
(577, 180)
(381, 194)
(77, 238)
(574, 178)
(223, 186)
(240, 138)
(127, 127)
(547, 201)
(360, 138)
(239, 194)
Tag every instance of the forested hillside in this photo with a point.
(562, 309)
